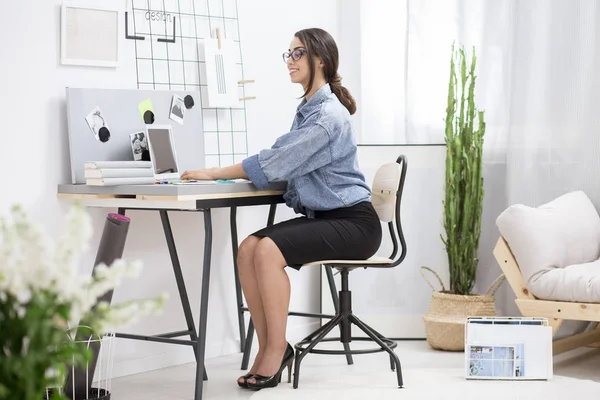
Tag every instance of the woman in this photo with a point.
(318, 160)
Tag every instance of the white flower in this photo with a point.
(32, 262)
(129, 312)
(25, 296)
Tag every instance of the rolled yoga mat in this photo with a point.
(79, 379)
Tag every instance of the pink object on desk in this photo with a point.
(119, 217)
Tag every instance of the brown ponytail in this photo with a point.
(320, 43)
(342, 94)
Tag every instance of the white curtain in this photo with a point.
(538, 81)
(383, 71)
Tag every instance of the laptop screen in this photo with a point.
(162, 152)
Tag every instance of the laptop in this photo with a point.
(162, 153)
(163, 157)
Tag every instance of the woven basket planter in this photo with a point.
(448, 312)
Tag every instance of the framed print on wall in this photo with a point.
(90, 34)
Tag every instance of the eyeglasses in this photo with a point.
(295, 55)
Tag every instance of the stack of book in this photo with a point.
(111, 173)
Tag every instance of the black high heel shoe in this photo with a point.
(245, 383)
(262, 382)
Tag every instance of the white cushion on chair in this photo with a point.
(577, 283)
(385, 188)
(557, 247)
(372, 260)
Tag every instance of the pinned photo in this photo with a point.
(139, 144)
(177, 109)
(98, 125)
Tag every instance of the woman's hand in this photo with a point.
(209, 174)
(200, 174)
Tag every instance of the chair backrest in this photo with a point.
(387, 188)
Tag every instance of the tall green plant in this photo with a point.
(464, 183)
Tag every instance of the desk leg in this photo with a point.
(272, 211)
(185, 302)
(238, 286)
(201, 343)
(250, 335)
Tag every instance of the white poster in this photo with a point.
(221, 73)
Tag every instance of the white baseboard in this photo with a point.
(180, 355)
(177, 355)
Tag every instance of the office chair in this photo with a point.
(388, 184)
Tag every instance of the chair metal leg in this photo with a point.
(393, 356)
(323, 331)
(332, 288)
(392, 361)
(379, 335)
(318, 331)
(248, 345)
(336, 306)
(344, 318)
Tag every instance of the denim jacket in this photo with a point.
(317, 158)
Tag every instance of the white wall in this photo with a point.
(35, 146)
(351, 56)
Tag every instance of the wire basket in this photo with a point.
(93, 380)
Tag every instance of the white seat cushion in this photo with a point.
(578, 283)
(557, 246)
(372, 260)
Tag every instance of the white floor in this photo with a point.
(428, 374)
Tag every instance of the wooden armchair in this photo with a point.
(555, 311)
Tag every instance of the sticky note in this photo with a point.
(144, 106)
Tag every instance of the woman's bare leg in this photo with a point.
(251, 293)
(274, 288)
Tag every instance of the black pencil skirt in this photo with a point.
(350, 233)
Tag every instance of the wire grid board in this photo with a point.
(180, 65)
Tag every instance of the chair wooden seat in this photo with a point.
(374, 261)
